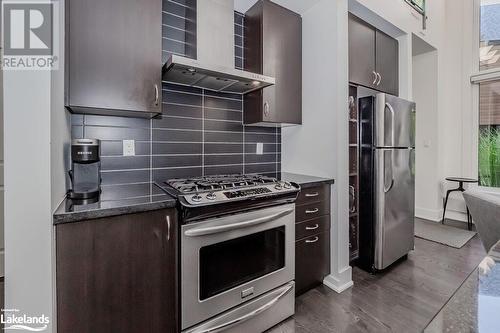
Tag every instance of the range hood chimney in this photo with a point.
(214, 67)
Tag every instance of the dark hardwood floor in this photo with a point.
(405, 298)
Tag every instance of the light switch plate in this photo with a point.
(260, 148)
(128, 147)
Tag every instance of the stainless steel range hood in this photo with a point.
(214, 67)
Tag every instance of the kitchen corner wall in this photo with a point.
(200, 132)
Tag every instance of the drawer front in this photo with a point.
(318, 193)
(311, 227)
(311, 210)
(312, 261)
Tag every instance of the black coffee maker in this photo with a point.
(85, 173)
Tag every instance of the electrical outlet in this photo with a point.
(128, 147)
(260, 148)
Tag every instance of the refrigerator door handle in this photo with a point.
(391, 109)
(388, 188)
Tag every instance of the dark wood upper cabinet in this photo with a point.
(273, 47)
(373, 57)
(387, 63)
(361, 53)
(118, 274)
(114, 57)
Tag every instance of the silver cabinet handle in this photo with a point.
(314, 240)
(266, 109)
(312, 211)
(157, 95)
(310, 195)
(230, 323)
(376, 77)
(168, 226)
(202, 231)
(379, 78)
(316, 226)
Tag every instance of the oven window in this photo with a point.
(234, 262)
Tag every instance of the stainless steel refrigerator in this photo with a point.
(387, 180)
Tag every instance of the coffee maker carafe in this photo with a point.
(85, 173)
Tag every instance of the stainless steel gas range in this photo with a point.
(237, 252)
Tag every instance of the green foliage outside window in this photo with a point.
(489, 157)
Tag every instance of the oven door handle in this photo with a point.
(227, 227)
(247, 316)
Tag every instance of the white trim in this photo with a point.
(429, 214)
(456, 216)
(486, 75)
(339, 285)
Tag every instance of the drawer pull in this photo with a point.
(314, 240)
(313, 228)
(312, 211)
(311, 195)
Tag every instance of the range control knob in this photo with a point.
(211, 196)
(287, 186)
(278, 187)
(196, 198)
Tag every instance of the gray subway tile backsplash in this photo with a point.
(201, 132)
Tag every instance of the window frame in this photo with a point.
(476, 77)
(417, 7)
(421, 11)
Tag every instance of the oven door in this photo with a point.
(230, 260)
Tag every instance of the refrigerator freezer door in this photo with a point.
(394, 204)
(394, 122)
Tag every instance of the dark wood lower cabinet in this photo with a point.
(312, 261)
(312, 234)
(118, 274)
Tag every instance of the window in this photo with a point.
(489, 44)
(419, 3)
(489, 133)
(488, 81)
(419, 6)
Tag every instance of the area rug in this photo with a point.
(443, 234)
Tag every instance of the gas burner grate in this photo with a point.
(219, 182)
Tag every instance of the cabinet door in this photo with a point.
(361, 52)
(273, 47)
(387, 63)
(113, 55)
(282, 57)
(117, 274)
(312, 261)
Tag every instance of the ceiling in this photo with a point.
(298, 6)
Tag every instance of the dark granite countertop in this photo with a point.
(305, 181)
(475, 306)
(115, 200)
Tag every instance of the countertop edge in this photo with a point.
(306, 181)
(61, 218)
(317, 183)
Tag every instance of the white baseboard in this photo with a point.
(341, 282)
(457, 216)
(437, 214)
(429, 214)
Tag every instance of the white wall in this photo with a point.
(319, 146)
(37, 133)
(28, 214)
(425, 94)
